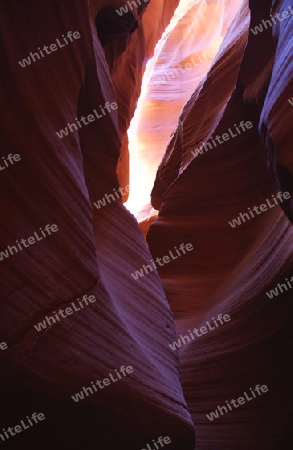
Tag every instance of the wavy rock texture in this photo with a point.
(127, 56)
(96, 249)
(230, 270)
(276, 118)
(182, 58)
(93, 252)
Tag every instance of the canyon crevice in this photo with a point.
(184, 74)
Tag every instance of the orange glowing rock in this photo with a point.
(182, 58)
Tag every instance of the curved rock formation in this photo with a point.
(90, 332)
(276, 118)
(127, 57)
(91, 252)
(182, 58)
(201, 185)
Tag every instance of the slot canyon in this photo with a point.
(146, 235)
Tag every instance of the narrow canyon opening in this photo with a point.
(182, 58)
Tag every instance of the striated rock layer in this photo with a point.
(231, 269)
(93, 252)
(182, 58)
(202, 184)
(127, 56)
